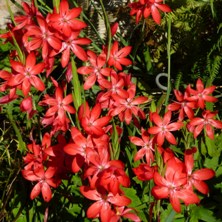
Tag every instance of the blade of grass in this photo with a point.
(108, 30)
(21, 144)
(169, 60)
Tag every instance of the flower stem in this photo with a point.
(169, 60)
(22, 146)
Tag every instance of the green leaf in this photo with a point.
(171, 216)
(211, 148)
(76, 93)
(212, 162)
(136, 203)
(147, 59)
(115, 143)
(201, 213)
(131, 193)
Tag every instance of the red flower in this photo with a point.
(183, 105)
(164, 128)
(104, 200)
(201, 94)
(26, 75)
(125, 105)
(207, 123)
(113, 86)
(10, 97)
(58, 105)
(95, 70)
(125, 213)
(147, 147)
(65, 21)
(117, 57)
(146, 7)
(78, 148)
(144, 171)
(28, 17)
(112, 177)
(72, 43)
(26, 106)
(45, 181)
(90, 120)
(172, 185)
(196, 178)
(40, 37)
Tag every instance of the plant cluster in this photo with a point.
(84, 126)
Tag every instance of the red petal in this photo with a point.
(203, 174)
(155, 14)
(80, 53)
(67, 100)
(30, 60)
(119, 200)
(89, 193)
(46, 192)
(136, 140)
(35, 191)
(201, 186)
(164, 8)
(85, 70)
(96, 111)
(154, 130)
(174, 200)
(160, 192)
(169, 136)
(65, 57)
(157, 120)
(90, 82)
(94, 210)
(37, 83)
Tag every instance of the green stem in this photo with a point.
(22, 146)
(56, 4)
(169, 61)
(108, 30)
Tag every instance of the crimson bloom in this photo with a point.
(104, 200)
(172, 185)
(147, 147)
(207, 123)
(58, 105)
(144, 171)
(27, 19)
(146, 8)
(126, 104)
(78, 148)
(201, 94)
(113, 86)
(26, 106)
(45, 181)
(112, 177)
(117, 57)
(163, 128)
(40, 37)
(90, 120)
(197, 177)
(71, 43)
(125, 213)
(25, 75)
(66, 20)
(95, 70)
(183, 105)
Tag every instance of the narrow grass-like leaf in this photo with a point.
(76, 93)
(56, 4)
(108, 30)
(115, 143)
(21, 144)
